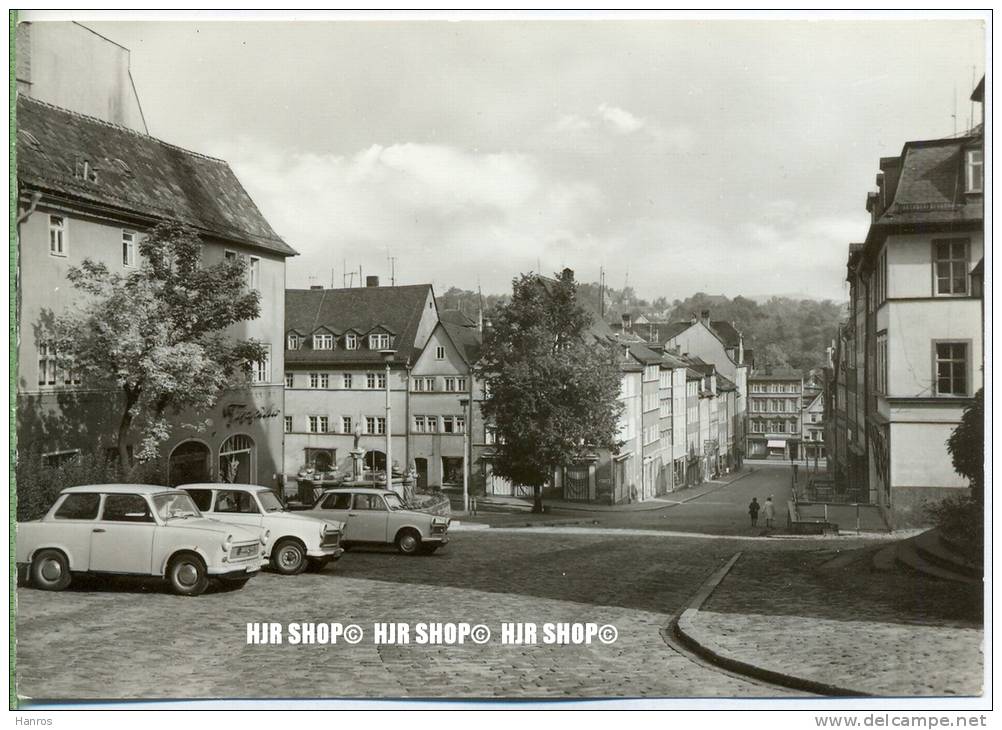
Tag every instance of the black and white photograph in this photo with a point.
(519, 360)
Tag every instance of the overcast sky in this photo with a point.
(729, 157)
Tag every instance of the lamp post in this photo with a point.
(388, 358)
(464, 403)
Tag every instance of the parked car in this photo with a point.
(136, 529)
(379, 516)
(297, 539)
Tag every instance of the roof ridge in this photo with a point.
(120, 128)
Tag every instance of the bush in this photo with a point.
(961, 522)
(38, 485)
(435, 503)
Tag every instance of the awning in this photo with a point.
(776, 444)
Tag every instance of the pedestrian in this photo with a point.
(753, 508)
(769, 509)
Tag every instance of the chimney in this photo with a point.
(372, 281)
(567, 275)
(741, 349)
(627, 322)
(705, 316)
(315, 287)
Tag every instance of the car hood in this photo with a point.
(206, 524)
(299, 518)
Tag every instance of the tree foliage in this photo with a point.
(157, 334)
(967, 446)
(551, 388)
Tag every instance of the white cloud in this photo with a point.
(620, 119)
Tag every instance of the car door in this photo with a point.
(236, 506)
(122, 539)
(336, 506)
(76, 517)
(367, 518)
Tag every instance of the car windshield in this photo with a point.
(175, 505)
(393, 502)
(269, 502)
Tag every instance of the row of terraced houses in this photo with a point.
(91, 180)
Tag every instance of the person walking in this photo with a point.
(769, 510)
(753, 508)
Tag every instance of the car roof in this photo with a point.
(223, 485)
(119, 489)
(357, 490)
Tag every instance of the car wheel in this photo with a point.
(50, 571)
(288, 557)
(187, 575)
(408, 542)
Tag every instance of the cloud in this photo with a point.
(606, 125)
(620, 119)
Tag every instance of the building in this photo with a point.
(812, 435)
(774, 410)
(88, 188)
(917, 311)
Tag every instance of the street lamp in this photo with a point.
(464, 403)
(388, 358)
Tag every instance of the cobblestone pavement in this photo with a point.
(893, 633)
(131, 639)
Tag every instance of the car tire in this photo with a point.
(187, 575)
(50, 571)
(317, 565)
(288, 557)
(409, 542)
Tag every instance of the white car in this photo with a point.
(296, 539)
(136, 529)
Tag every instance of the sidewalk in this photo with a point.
(680, 496)
(886, 634)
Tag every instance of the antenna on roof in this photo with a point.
(393, 261)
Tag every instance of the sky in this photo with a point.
(731, 157)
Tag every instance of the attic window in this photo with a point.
(975, 172)
(32, 140)
(85, 171)
(124, 167)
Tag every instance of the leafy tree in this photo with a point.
(967, 446)
(552, 389)
(157, 333)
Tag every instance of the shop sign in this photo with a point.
(242, 413)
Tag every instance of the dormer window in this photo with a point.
(379, 342)
(323, 342)
(85, 171)
(292, 342)
(351, 341)
(975, 171)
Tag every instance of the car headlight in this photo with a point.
(227, 544)
(264, 537)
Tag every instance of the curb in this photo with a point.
(683, 627)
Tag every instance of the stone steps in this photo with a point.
(908, 555)
(933, 550)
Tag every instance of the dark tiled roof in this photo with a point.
(727, 332)
(464, 332)
(791, 375)
(397, 309)
(664, 331)
(930, 188)
(137, 174)
(725, 384)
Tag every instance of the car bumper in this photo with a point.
(238, 571)
(435, 540)
(332, 553)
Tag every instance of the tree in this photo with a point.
(552, 389)
(157, 333)
(967, 446)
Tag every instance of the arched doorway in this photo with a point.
(375, 461)
(236, 459)
(189, 463)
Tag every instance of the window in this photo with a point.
(292, 342)
(951, 368)
(346, 380)
(323, 342)
(126, 508)
(369, 502)
(379, 342)
(318, 424)
(288, 424)
(254, 273)
(950, 272)
(325, 380)
(453, 424)
(290, 380)
(236, 502)
(57, 235)
(650, 373)
(431, 423)
(439, 353)
(351, 341)
(975, 171)
(262, 368)
(229, 256)
(338, 501)
(46, 364)
(375, 380)
(880, 276)
(881, 374)
(420, 424)
(128, 248)
(455, 385)
(202, 498)
(346, 424)
(375, 425)
(79, 507)
(424, 385)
